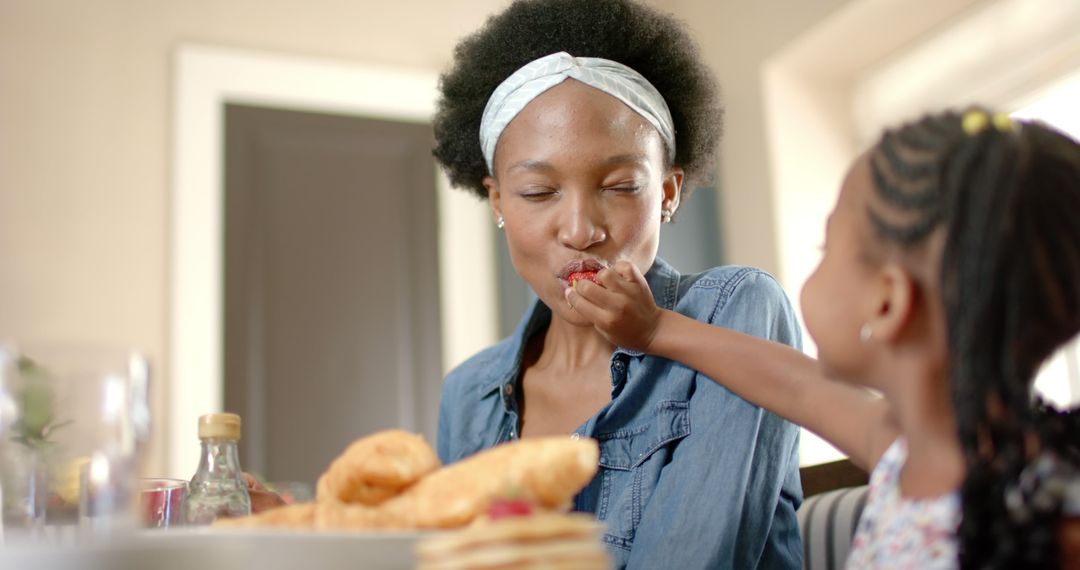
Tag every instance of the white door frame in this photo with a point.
(206, 78)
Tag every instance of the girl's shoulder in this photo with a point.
(907, 533)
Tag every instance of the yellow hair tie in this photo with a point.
(975, 121)
(1002, 122)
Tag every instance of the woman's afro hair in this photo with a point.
(654, 44)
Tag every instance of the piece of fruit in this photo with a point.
(576, 276)
(506, 508)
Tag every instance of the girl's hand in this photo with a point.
(261, 498)
(621, 307)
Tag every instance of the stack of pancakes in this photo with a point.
(542, 540)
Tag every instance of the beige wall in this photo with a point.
(85, 135)
(737, 37)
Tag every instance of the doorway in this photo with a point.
(331, 305)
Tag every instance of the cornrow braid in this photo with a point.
(906, 177)
(1008, 200)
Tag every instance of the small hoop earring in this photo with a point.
(499, 222)
(665, 216)
(866, 332)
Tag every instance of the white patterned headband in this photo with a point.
(537, 76)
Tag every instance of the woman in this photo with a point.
(582, 123)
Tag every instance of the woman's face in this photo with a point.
(580, 181)
(834, 298)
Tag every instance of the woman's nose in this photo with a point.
(581, 225)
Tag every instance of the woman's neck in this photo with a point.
(565, 379)
(568, 347)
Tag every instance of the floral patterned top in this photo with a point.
(895, 532)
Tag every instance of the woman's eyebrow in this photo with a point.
(629, 158)
(531, 165)
(615, 160)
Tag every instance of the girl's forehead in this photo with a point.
(857, 185)
(850, 213)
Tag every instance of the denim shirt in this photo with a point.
(691, 475)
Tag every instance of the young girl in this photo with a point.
(951, 271)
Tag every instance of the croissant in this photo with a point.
(391, 480)
(547, 471)
(377, 467)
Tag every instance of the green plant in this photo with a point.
(37, 423)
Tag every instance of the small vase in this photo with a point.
(23, 490)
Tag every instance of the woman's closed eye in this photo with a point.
(537, 193)
(623, 188)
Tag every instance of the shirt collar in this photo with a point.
(663, 280)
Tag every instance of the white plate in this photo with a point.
(302, 550)
(230, 549)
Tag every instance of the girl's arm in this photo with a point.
(773, 376)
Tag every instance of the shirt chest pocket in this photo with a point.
(631, 461)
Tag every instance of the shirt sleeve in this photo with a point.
(729, 495)
(449, 403)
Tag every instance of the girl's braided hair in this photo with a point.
(1007, 196)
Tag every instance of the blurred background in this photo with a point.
(244, 189)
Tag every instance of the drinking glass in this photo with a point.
(161, 502)
(74, 420)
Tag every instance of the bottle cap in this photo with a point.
(226, 426)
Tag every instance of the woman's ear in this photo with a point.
(894, 303)
(494, 197)
(672, 188)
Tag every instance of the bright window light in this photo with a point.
(1057, 106)
(1059, 379)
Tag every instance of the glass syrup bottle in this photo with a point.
(217, 489)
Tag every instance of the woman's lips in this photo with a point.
(581, 266)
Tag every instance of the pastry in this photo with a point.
(390, 480)
(297, 516)
(547, 471)
(377, 467)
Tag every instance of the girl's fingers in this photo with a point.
(581, 304)
(610, 279)
(626, 270)
(603, 293)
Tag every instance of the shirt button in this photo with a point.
(508, 389)
(620, 365)
(575, 435)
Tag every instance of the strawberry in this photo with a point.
(506, 508)
(576, 276)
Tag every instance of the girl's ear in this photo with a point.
(493, 196)
(894, 303)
